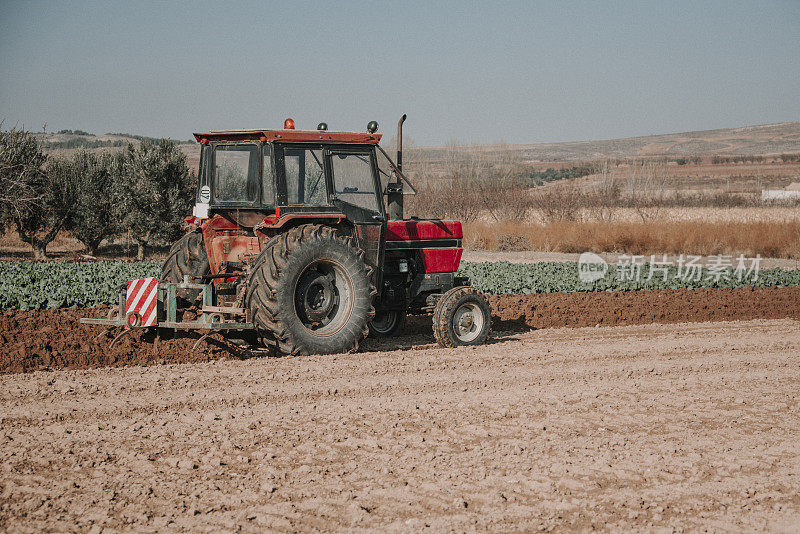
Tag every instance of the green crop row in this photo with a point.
(28, 285)
(504, 277)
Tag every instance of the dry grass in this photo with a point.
(769, 239)
(770, 232)
(688, 214)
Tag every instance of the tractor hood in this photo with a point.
(423, 230)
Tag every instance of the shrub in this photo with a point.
(512, 243)
(533, 178)
(80, 142)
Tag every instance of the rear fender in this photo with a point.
(369, 237)
(282, 222)
(273, 225)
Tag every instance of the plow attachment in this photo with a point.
(147, 303)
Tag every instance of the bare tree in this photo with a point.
(647, 188)
(603, 198)
(559, 201)
(470, 181)
(503, 193)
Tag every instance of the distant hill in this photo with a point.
(767, 139)
(65, 142)
(69, 139)
(779, 138)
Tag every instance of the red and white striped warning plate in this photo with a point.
(141, 300)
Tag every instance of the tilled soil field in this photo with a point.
(678, 427)
(53, 339)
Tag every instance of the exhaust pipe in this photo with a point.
(395, 194)
(400, 144)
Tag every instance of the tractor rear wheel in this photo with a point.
(311, 290)
(186, 257)
(461, 317)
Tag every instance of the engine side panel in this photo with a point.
(441, 260)
(438, 241)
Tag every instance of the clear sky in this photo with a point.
(468, 72)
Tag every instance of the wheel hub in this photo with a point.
(468, 321)
(317, 295)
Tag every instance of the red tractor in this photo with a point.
(300, 237)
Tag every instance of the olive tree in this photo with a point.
(21, 162)
(92, 220)
(36, 198)
(153, 193)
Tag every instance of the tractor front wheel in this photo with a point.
(461, 317)
(311, 291)
(387, 323)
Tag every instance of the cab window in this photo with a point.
(305, 176)
(353, 180)
(235, 173)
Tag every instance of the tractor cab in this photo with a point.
(246, 175)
